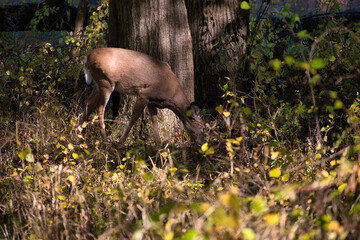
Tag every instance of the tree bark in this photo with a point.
(79, 24)
(159, 28)
(80, 16)
(219, 30)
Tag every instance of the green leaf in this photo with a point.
(315, 79)
(245, 5)
(22, 155)
(338, 104)
(258, 204)
(191, 234)
(226, 86)
(318, 63)
(295, 18)
(304, 34)
(174, 169)
(333, 94)
(276, 64)
(219, 108)
(355, 210)
(247, 111)
(248, 233)
(289, 60)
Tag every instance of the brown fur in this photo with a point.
(135, 73)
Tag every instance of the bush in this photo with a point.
(283, 165)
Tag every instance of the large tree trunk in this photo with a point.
(219, 29)
(159, 28)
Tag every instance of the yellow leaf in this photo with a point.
(21, 78)
(342, 187)
(169, 224)
(169, 236)
(229, 147)
(75, 155)
(58, 189)
(71, 179)
(274, 155)
(204, 206)
(205, 147)
(275, 172)
(333, 225)
(325, 173)
(248, 233)
(285, 177)
(209, 151)
(61, 197)
(225, 199)
(226, 113)
(272, 218)
(318, 156)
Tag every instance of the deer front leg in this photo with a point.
(136, 113)
(90, 104)
(154, 119)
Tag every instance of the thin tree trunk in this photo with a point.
(79, 24)
(80, 16)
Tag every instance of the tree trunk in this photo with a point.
(219, 29)
(79, 25)
(80, 16)
(159, 28)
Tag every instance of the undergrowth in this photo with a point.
(284, 165)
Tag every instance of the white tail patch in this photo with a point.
(88, 78)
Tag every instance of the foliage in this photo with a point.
(281, 162)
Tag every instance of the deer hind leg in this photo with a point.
(138, 109)
(154, 119)
(98, 100)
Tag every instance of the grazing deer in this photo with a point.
(135, 73)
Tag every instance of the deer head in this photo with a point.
(151, 81)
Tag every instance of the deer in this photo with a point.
(152, 81)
